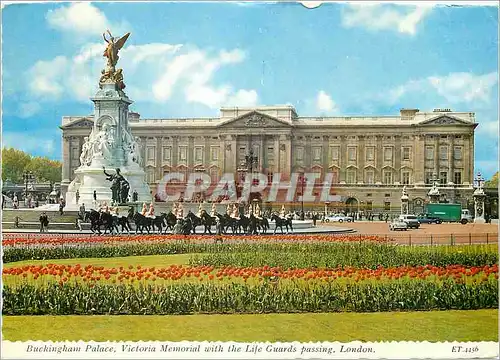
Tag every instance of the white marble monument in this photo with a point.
(110, 145)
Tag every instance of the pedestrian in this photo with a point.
(36, 203)
(43, 222)
(95, 195)
(77, 196)
(386, 217)
(79, 223)
(314, 218)
(16, 222)
(61, 206)
(81, 212)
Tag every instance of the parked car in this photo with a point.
(428, 219)
(397, 224)
(338, 218)
(410, 220)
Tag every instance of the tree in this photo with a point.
(16, 162)
(13, 164)
(493, 182)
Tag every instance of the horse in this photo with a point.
(262, 224)
(123, 222)
(95, 220)
(207, 221)
(243, 223)
(142, 222)
(170, 220)
(158, 222)
(195, 220)
(279, 222)
(230, 222)
(106, 219)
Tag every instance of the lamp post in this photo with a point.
(28, 178)
(250, 161)
(302, 180)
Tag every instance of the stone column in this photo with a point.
(325, 153)
(379, 159)
(419, 159)
(308, 157)
(436, 154)
(343, 158)
(190, 153)
(397, 159)
(276, 144)
(66, 176)
(451, 158)
(361, 159)
(175, 152)
(159, 158)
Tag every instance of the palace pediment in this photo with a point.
(445, 120)
(79, 123)
(255, 119)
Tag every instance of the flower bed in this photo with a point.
(288, 238)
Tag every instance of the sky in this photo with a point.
(189, 59)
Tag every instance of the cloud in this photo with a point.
(156, 72)
(325, 103)
(465, 87)
(455, 88)
(376, 17)
(43, 143)
(29, 109)
(80, 18)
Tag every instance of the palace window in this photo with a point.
(443, 177)
(151, 153)
(242, 153)
(167, 153)
(270, 152)
(457, 153)
(370, 177)
(387, 205)
(198, 154)
(387, 195)
(150, 174)
(214, 174)
(335, 176)
(370, 153)
(75, 154)
(443, 152)
(388, 154)
(369, 206)
(458, 177)
(334, 152)
(270, 177)
(387, 177)
(406, 153)
(299, 154)
(429, 153)
(215, 153)
(351, 153)
(429, 175)
(183, 153)
(316, 153)
(405, 177)
(351, 176)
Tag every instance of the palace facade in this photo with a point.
(370, 158)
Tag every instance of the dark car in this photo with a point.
(429, 219)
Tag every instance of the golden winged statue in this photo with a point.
(114, 45)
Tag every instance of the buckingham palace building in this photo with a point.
(369, 157)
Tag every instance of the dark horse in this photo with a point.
(170, 220)
(107, 220)
(123, 222)
(142, 222)
(279, 222)
(206, 220)
(94, 218)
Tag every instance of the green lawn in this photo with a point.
(473, 325)
(144, 261)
